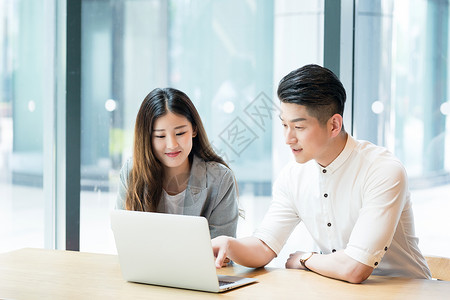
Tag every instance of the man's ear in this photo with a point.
(335, 124)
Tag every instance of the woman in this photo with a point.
(174, 168)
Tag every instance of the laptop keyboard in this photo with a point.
(222, 282)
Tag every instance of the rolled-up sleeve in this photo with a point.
(384, 198)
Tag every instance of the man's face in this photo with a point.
(307, 138)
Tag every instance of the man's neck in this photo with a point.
(336, 146)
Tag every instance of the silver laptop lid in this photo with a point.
(165, 249)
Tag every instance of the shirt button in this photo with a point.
(329, 224)
(325, 195)
(376, 263)
(324, 171)
(334, 250)
(385, 248)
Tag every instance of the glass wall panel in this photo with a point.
(401, 101)
(26, 96)
(123, 58)
(228, 56)
(222, 54)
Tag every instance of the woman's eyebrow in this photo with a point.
(178, 127)
(181, 126)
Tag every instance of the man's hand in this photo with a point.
(226, 262)
(293, 262)
(220, 246)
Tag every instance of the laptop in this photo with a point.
(168, 250)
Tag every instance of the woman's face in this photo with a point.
(172, 141)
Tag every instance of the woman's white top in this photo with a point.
(172, 204)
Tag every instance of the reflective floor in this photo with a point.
(22, 222)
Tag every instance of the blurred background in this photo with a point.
(228, 57)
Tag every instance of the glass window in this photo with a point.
(124, 46)
(401, 101)
(221, 54)
(26, 128)
(228, 57)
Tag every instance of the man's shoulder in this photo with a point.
(373, 152)
(376, 157)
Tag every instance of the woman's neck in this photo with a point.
(176, 179)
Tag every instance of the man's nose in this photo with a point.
(290, 136)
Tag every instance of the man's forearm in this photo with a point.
(340, 266)
(250, 252)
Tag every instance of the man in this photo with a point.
(351, 195)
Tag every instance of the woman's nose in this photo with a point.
(171, 142)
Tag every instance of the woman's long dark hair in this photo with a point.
(146, 178)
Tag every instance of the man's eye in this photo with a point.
(284, 125)
(298, 127)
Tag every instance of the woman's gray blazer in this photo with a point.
(211, 193)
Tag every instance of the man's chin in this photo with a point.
(301, 160)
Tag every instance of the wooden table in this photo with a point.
(55, 274)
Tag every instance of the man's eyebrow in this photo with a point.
(293, 120)
(297, 120)
(178, 127)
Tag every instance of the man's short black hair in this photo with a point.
(315, 87)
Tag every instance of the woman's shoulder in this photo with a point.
(126, 167)
(212, 169)
(128, 163)
(216, 166)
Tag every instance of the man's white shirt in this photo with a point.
(360, 203)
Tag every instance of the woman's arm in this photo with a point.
(123, 185)
(224, 216)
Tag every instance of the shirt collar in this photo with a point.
(342, 157)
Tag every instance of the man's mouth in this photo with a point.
(296, 150)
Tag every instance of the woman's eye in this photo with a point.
(297, 127)
(181, 133)
(160, 136)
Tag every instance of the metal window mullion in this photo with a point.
(73, 125)
(339, 41)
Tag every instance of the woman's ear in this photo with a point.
(194, 132)
(335, 122)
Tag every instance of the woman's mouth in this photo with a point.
(173, 154)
